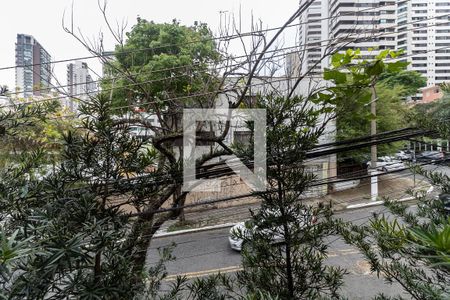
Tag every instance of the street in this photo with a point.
(205, 253)
(442, 169)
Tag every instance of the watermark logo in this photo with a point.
(255, 179)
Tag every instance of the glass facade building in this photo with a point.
(33, 68)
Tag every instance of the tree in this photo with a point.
(44, 130)
(83, 242)
(392, 114)
(193, 59)
(438, 110)
(410, 252)
(16, 179)
(165, 61)
(411, 81)
(412, 246)
(296, 267)
(354, 114)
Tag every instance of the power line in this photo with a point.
(213, 201)
(223, 38)
(161, 70)
(227, 170)
(220, 216)
(356, 40)
(360, 39)
(139, 83)
(205, 93)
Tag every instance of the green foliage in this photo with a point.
(166, 60)
(79, 240)
(32, 127)
(12, 253)
(435, 243)
(411, 81)
(434, 115)
(412, 246)
(296, 266)
(396, 257)
(354, 96)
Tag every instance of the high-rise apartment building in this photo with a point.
(424, 35)
(313, 35)
(336, 22)
(33, 69)
(372, 23)
(79, 83)
(420, 27)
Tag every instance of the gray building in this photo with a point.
(79, 84)
(418, 27)
(79, 81)
(423, 33)
(330, 23)
(33, 68)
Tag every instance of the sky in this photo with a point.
(43, 20)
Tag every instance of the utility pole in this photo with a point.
(373, 148)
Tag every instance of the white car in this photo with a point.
(404, 155)
(246, 229)
(388, 164)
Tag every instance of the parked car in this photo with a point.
(388, 164)
(445, 198)
(430, 155)
(405, 155)
(238, 231)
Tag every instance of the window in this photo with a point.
(242, 137)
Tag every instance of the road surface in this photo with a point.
(208, 252)
(442, 169)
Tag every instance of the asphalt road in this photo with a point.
(205, 253)
(442, 169)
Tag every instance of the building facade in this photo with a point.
(313, 37)
(419, 27)
(424, 35)
(79, 81)
(371, 22)
(79, 84)
(328, 23)
(33, 68)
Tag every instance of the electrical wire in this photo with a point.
(356, 40)
(222, 236)
(224, 199)
(223, 38)
(390, 193)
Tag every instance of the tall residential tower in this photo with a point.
(424, 35)
(420, 27)
(33, 69)
(79, 83)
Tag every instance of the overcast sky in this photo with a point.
(42, 19)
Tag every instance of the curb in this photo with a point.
(376, 203)
(185, 231)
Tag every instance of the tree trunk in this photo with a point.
(287, 237)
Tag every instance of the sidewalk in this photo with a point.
(390, 187)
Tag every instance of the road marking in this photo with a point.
(231, 269)
(343, 252)
(205, 273)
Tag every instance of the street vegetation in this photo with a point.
(81, 198)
